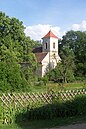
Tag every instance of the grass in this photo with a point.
(74, 86)
(38, 124)
(56, 87)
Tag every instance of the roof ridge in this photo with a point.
(50, 34)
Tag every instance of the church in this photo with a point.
(47, 55)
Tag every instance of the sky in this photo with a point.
(39, 16)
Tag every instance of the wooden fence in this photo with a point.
(25, 99)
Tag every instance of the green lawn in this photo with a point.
(56, 87)
(38, 124)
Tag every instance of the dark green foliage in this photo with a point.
(43, 80)
(80, 104)
(57, 109)
(15, 47)
(11, 78)
(72, 66)
(39, 110)
(76, 41)
(64, 71)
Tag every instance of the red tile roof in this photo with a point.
(50, 34)
(40, 56)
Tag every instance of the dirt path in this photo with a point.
(75, 126)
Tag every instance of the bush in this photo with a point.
(38, 110)
(57, 109)
(43, 80)
(80, 104)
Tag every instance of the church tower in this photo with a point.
(50, 45)
(50, 42)
(47, 55)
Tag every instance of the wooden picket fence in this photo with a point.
(24, 99)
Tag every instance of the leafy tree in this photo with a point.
(15, 47)
(76, 41)
(10, 75)
(64, 71)
(13, 37)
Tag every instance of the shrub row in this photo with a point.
(69, 108)
(58, 108)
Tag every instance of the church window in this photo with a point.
(54, 45)
(46, 45)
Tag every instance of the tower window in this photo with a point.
(46, 45)
(54, 45)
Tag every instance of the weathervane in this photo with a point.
(50, 27)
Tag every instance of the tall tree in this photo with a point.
(15, 47)
(64, 71)
(76, 40)
(13, 37)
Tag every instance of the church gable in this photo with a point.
(50, 34)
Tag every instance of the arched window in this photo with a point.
(54, 45)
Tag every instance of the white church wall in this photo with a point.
(45, 65)
(53, 40)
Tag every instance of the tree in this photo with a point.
(67, 66)
(64, 71)
(76, 41)
(15, 47)
(11, 78)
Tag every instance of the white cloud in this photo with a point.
(36, 32)
(81, 26)
(75, 27)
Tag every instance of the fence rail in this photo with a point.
(24, 99)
